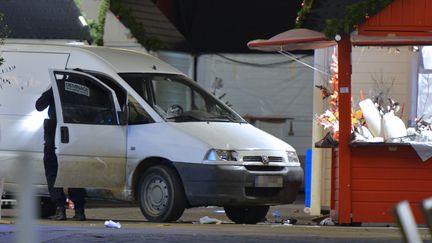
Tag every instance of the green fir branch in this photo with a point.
(304, 11)
(151, 43)
(355, 14)
(97, 27)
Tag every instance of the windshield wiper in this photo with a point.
(223, 118)
(184, 118)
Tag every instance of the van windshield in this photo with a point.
(177, 98)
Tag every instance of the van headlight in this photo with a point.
(221, 155)
(292, 157)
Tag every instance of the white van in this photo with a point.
(131, 127)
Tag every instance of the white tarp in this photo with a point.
(264, 86)
(182, 61)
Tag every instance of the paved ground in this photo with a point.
(101, 211)
(188, 229)
(181, 232)
(133, 213)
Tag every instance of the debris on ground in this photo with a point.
(327, 222)
(290, 221)
(112, 224)
(318, 219)
(208, 220)
(278, 219)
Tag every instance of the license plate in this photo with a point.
(268, 181)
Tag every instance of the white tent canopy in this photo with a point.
(294, 39)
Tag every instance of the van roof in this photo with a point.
(124, 60)
(121, 60)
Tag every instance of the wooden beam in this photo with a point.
(344, 153)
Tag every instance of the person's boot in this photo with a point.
(60, 214)
(79, 215)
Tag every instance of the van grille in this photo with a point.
(260, 159)
(263, 168)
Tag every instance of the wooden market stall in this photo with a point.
(368, 179)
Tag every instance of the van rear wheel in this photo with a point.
(161, 195)
(246, 214)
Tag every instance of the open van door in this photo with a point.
(90, 137)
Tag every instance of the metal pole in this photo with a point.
(1, 193)
(25, 231)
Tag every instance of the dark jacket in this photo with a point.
(47, 100)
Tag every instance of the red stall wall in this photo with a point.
(382, 176)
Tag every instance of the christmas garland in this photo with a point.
(124, 14)
(355, 14)
(305, 10)
(97, 27)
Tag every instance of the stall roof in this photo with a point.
(156, 24)
(322, 10)
(402, 22)
(379, 40)
(48, 19)
(400, 18)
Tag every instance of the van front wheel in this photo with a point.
(161, 196)
(246, 214)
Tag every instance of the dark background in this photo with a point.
(228, 25)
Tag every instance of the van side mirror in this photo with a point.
(123, 118)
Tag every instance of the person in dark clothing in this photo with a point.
(77, 195)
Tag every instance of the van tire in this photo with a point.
(160, 194)
(246, 214)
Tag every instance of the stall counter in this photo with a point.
(383, 174)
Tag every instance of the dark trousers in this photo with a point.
(77, 195)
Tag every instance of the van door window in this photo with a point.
(120, 92)
(139, 84)
(137, 114)
(85, 101)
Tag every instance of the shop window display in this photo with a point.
(377, 117)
